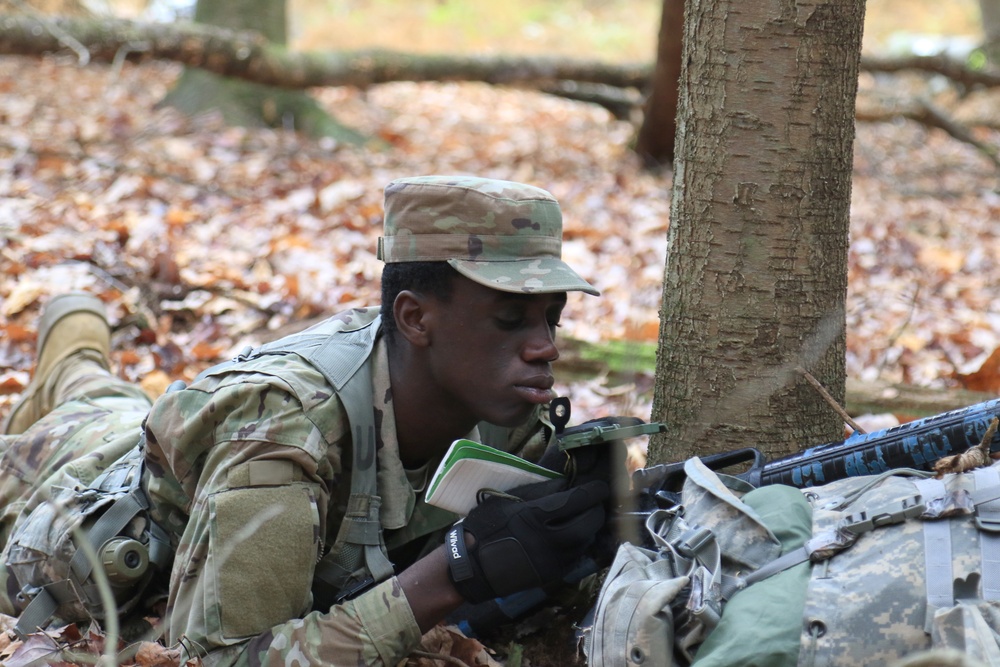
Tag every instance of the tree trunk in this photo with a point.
(655, 140)
(990, 14)
(246, 103)
(756, 274)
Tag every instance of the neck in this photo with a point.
(425, 424)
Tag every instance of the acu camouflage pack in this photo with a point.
(888, 566)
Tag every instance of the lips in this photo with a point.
(537, 390)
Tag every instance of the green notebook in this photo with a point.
(470, 466)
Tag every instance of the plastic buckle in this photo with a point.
(987, 517)
(692, 540)
(862, 522)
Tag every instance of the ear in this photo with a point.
(411, 311)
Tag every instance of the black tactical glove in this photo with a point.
(605, 461)
(527, 538)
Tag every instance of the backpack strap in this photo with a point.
(937, 552)
(358, 556)
(986, 499)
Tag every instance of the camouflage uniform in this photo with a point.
(97, 420)
(246, 467)
(254, 457)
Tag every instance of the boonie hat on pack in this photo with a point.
(501, 234)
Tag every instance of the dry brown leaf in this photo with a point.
(151, 654)
(448, 640)
(23, 294)
(39, 647)
(987, 378)
(18, 334)
(10, 384)
(155, 383)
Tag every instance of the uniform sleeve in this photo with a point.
(376, 628)
(254, 478)
(245, 596)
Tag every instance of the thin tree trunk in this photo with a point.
(990, 14)
(756, 274)
(655, 140)
(247, 103)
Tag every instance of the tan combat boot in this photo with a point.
(70, 324)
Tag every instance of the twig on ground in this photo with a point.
(829, 399)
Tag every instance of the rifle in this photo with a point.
(918, 444)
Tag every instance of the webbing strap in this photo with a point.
(356, 397)
(988, 521)
(110, 524)
(779, 564)
(37, 614)
(938, 576)
(825, 545)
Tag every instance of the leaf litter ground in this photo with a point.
(202, 239)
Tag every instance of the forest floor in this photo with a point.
(202, 239)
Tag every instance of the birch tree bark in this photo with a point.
(756, 273)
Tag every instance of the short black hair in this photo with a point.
(431, 278)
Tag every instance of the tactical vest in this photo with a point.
(358, 557)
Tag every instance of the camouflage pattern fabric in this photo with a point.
(869, 602)
(714, 501)
(97, 420)
(865, 596)
(714, 535)
(247, 471)
(501, 234)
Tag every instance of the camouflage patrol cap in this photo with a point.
(501, 234)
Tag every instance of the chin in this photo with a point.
(511, 418)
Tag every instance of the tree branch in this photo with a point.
(939, 64)
(247, 55)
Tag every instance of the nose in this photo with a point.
(541, 345)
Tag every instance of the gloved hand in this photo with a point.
(605, 461)
(527, 538)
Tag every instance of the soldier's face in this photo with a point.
(491, 352)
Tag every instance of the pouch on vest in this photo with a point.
(58, 578)
(907, 581)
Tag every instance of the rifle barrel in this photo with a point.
(917, 444)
